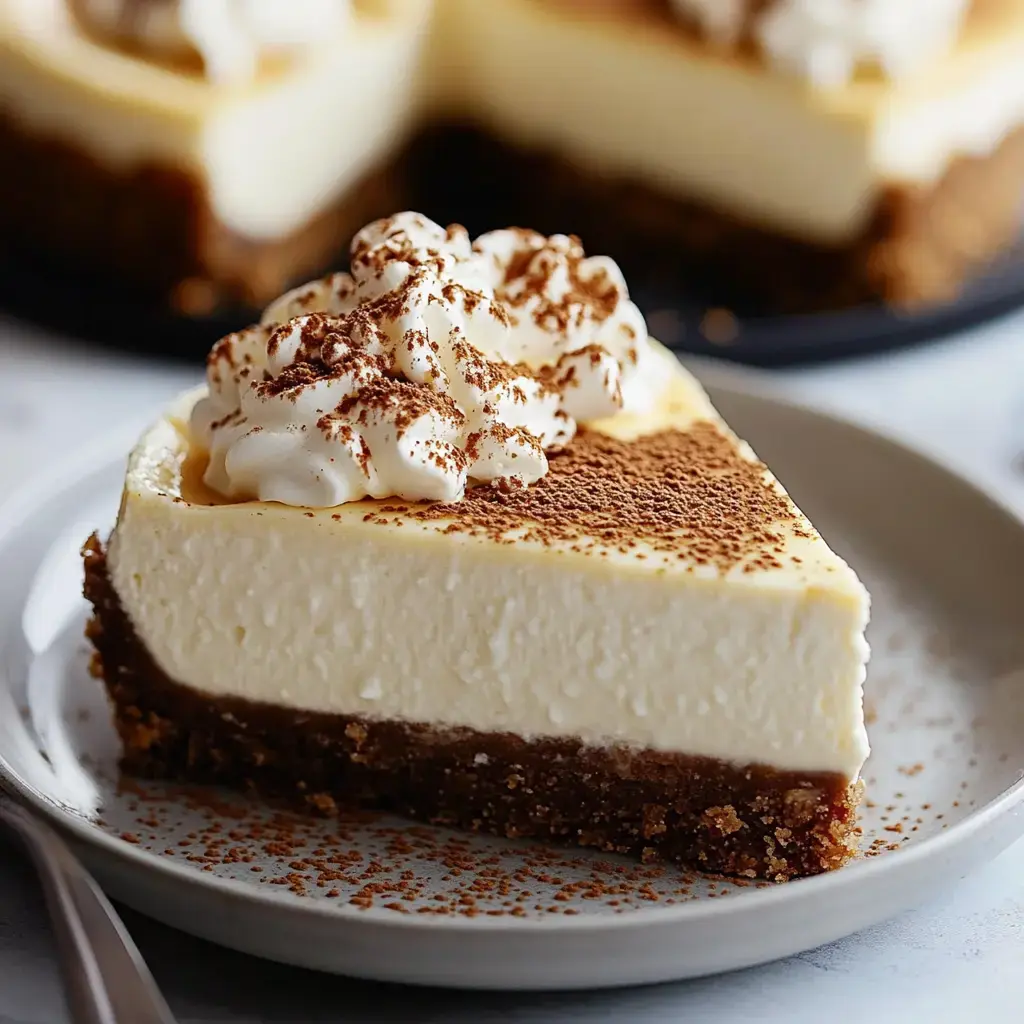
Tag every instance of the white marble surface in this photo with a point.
(957, 960)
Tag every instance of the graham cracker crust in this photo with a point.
(751, 821)
(152, 228)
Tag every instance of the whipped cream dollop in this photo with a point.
(231, 36)
(826, 41)
(433, 363)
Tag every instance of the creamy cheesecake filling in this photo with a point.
(671, 114)
(417, 618)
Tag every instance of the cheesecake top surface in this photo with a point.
(47, 32)
(829, 43)
(670, 492)
(227, 40)
(47, 35)
(501, 391)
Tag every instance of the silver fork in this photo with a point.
(105, 977)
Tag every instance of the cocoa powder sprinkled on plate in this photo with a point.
(369, 861)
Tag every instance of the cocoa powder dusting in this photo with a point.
(687, 493)
(527, 278)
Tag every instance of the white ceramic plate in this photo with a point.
(388, 900)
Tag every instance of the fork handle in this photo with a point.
(105, 977)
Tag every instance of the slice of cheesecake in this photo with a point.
(625, 635)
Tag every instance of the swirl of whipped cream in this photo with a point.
(381, 254)
(571, 317)
(826, 41)
(229, 35)
(431, 364)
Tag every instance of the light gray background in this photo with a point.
(958, 959)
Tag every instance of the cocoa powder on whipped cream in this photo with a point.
(433, 364)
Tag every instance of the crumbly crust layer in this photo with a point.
(152, 228)
(751, 821)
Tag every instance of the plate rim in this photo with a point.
(102, 453)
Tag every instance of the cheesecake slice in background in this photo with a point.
(773, 155)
